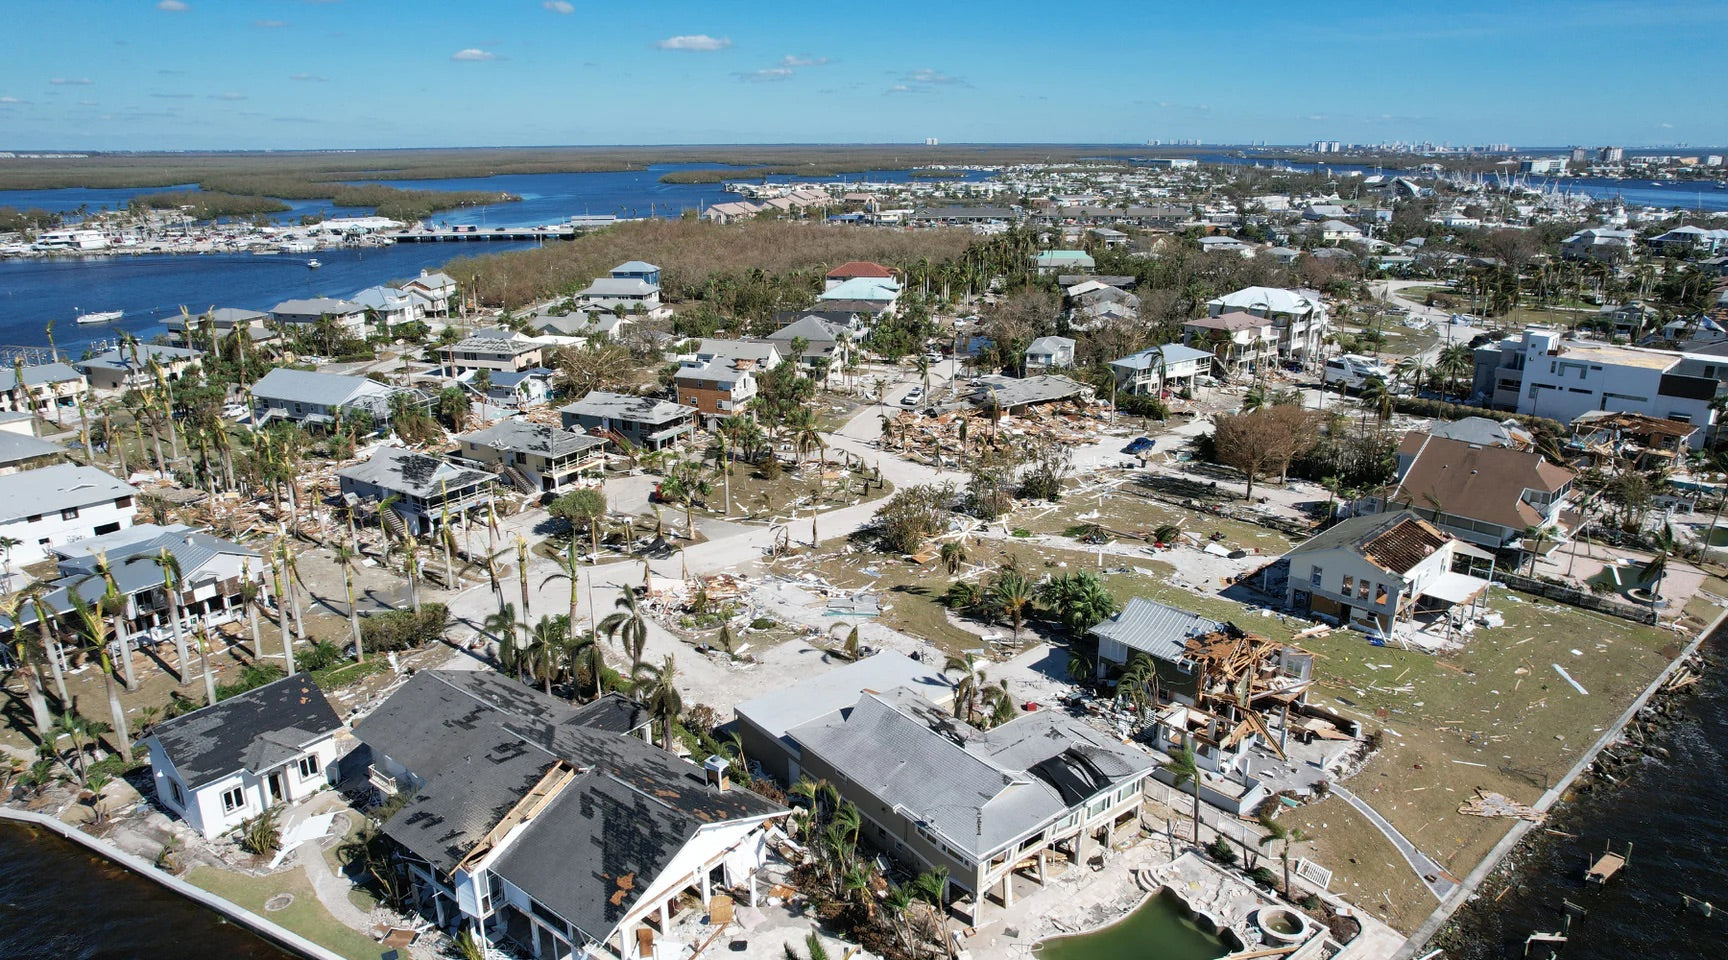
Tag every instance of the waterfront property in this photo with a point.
(319, 399)
(647, 423)
(347, 314)
(220, 322)
(937, 793)
(553, 826)
(41, 389)
(219, 766)
(425, 489)
(1379, 570)
(61, 504)
(542, 456)
(136, 365)
(432, 292)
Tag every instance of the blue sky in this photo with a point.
(245, 74)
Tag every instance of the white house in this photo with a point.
(432, 291)
(47, 508)
(1600, 243)
(1154, 369)
(1299, 316)
(1378, 570)
(1049, 353)
(219, 766)
(1552, 376)
(552, 826)
(548, 457)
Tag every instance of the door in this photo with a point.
(275, 785)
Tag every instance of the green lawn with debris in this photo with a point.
(305, 916)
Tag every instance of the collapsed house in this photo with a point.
(1620, 440)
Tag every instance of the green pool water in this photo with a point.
(1159, 930)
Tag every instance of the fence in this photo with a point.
(1577, 598)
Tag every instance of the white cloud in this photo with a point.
(71, 81)
(230, 95)
(307, 77)
(270, 24)
(173, 6)
(1666, 126)
(473, 54)
(695, 41)
(768, 74)
(791, 60)
(9, 100)
(907, 88)
(559, 6)
(929, 77)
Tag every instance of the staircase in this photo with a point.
(518, 479)
(392, 521)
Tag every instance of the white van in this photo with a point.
(1349, 371)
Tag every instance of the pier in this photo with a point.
(566, 230)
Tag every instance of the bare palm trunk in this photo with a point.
(183, 663)
(38, 695)
(209, 675)
(51, 649)
(282, 618)
(117, 714)
(124, 642)
(354, 620)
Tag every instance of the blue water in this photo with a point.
(153, 288)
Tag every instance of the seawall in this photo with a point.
(1443, 913)
(275, 933)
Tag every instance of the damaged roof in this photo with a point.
(518, 436)
(252, 731)
(1393, 541)
(414, 474)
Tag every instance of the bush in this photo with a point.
(762, 623)
(912, 515)
(1221, 851)
(320, 655)
(262, 835)
(403, 629)
(1264, 877)
(251, 678)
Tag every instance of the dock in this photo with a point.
(557, 231)
(1607, 865)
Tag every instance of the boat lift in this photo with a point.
(1608, 864)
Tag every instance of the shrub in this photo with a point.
(762, 623)
(320, 655)
(1221, 851)
(1264, 877)
(262, 834)
(913, 515)
(252, 677)
(403, 629)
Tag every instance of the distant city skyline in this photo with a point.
(298, 74)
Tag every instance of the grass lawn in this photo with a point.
(1125, 512)
(305, 916)
(756, 497)
(1495, 716)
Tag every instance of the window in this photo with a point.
(308, 766)
(178, 795)
(1315, 574)
(123, 503)
(1349, 584)
(1380, 595)
(70, 513)
(1362, 589)
(234, 798)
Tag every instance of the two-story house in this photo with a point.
(1155, 370)
(718, 388)
(642, 421)
(137, 366)
(1378, 570)
(1240, 343)
(495, 350)
(318, 399)
(551, 459)
(1049, 353)
(1299, 316)
(427, 489)
(1491, 496)
(61, 504)
(432, 292)
(347, 314)
(43, 389)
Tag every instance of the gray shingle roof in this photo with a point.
(479, 742)
(518, 436)
(58, 487)
(622, 406)
(977, 791)
(1155, 629)
(413, 474)
(214, 742)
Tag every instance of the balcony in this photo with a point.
(385, 784)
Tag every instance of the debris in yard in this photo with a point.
(1568, 678)
(1488, 804)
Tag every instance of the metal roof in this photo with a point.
(323, 389)
(519, 436)
(15, 447)
(620, 406)
(55, 488)
(1156, 629)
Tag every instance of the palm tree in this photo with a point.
(585, 652)
(1454, 362)
(204, 660)
(115, 603)
(1656, 568)
(1183, 770)
(1377, 399)
(282, 614)
(95, 630)
(502, 625)
(658, 691)
(627, 626)
(171, 577)
(1012, 593)
(1278, 833)
(52, 648)
(345, 557)
(81, 730)
(970, 685)
(522, 572)
(567, 571)
(545, 651)
(953, 556)
(9, 607)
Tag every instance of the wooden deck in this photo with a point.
(1605, 867)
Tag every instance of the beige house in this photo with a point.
(547, 458)
(1239, 342)
(499, 351)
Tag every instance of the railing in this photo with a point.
(387, 785)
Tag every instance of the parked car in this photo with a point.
(912, 397)
(1139, 445)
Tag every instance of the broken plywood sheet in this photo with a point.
(1489, 804)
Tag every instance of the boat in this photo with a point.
(105, 316)
(313, 264)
